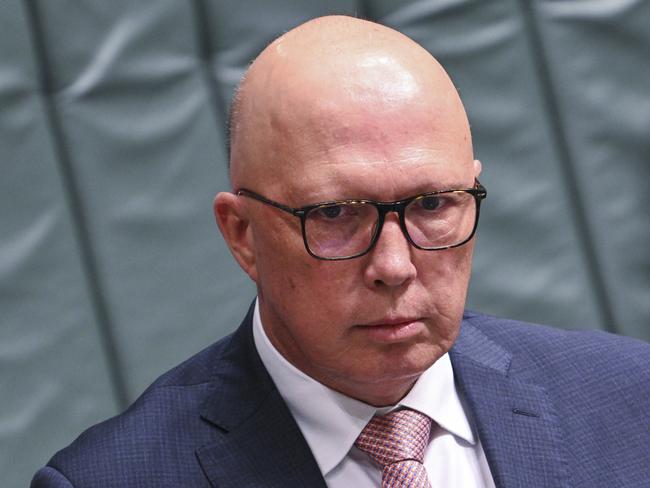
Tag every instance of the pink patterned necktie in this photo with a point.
(397, 442)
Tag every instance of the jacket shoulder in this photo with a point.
(543, 345)
(152, 443)
(589, 371)
(594, 386)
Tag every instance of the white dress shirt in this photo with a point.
(331, 422)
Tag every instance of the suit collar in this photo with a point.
(513, 416)
(258, 443)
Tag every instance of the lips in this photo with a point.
(391, 321)
(392, 329)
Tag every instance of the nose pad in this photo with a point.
(393, 226)
(390, 260)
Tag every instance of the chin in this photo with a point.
(405, 367)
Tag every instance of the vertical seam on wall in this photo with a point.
(203, 43)
(75, 206)
(569, 173)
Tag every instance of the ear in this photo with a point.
(477, 168)
(233, 221)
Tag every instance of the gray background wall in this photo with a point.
(112, 148)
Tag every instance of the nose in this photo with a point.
(390, 261)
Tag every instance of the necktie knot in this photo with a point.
(395, 437)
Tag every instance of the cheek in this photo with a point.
(447, 275)
(323, 286)
(320, 297)
(452, 264)
(287, 274)
(277, 247)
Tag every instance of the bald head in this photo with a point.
(335, 81)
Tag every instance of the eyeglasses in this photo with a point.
(346, 229)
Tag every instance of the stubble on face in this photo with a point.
(342, 108)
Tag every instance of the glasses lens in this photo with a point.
(340, 230)
(441, 220)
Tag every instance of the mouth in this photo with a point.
(388, 330)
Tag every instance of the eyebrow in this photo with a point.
(427, 187)
(417, 190)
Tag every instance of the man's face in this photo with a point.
(366, 326)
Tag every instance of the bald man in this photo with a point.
(355, 199)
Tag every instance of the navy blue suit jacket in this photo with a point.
(552, 409)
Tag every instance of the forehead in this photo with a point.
(383, 181)
(380, 158)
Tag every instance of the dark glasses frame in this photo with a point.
(478, 192)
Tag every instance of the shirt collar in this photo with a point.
(331, 421)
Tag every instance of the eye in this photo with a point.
(430, 202)
(330, 212)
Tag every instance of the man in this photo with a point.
(355, 200)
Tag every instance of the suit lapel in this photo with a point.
(258, 443)
(513, 417)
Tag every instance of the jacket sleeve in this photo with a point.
(48, 477)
